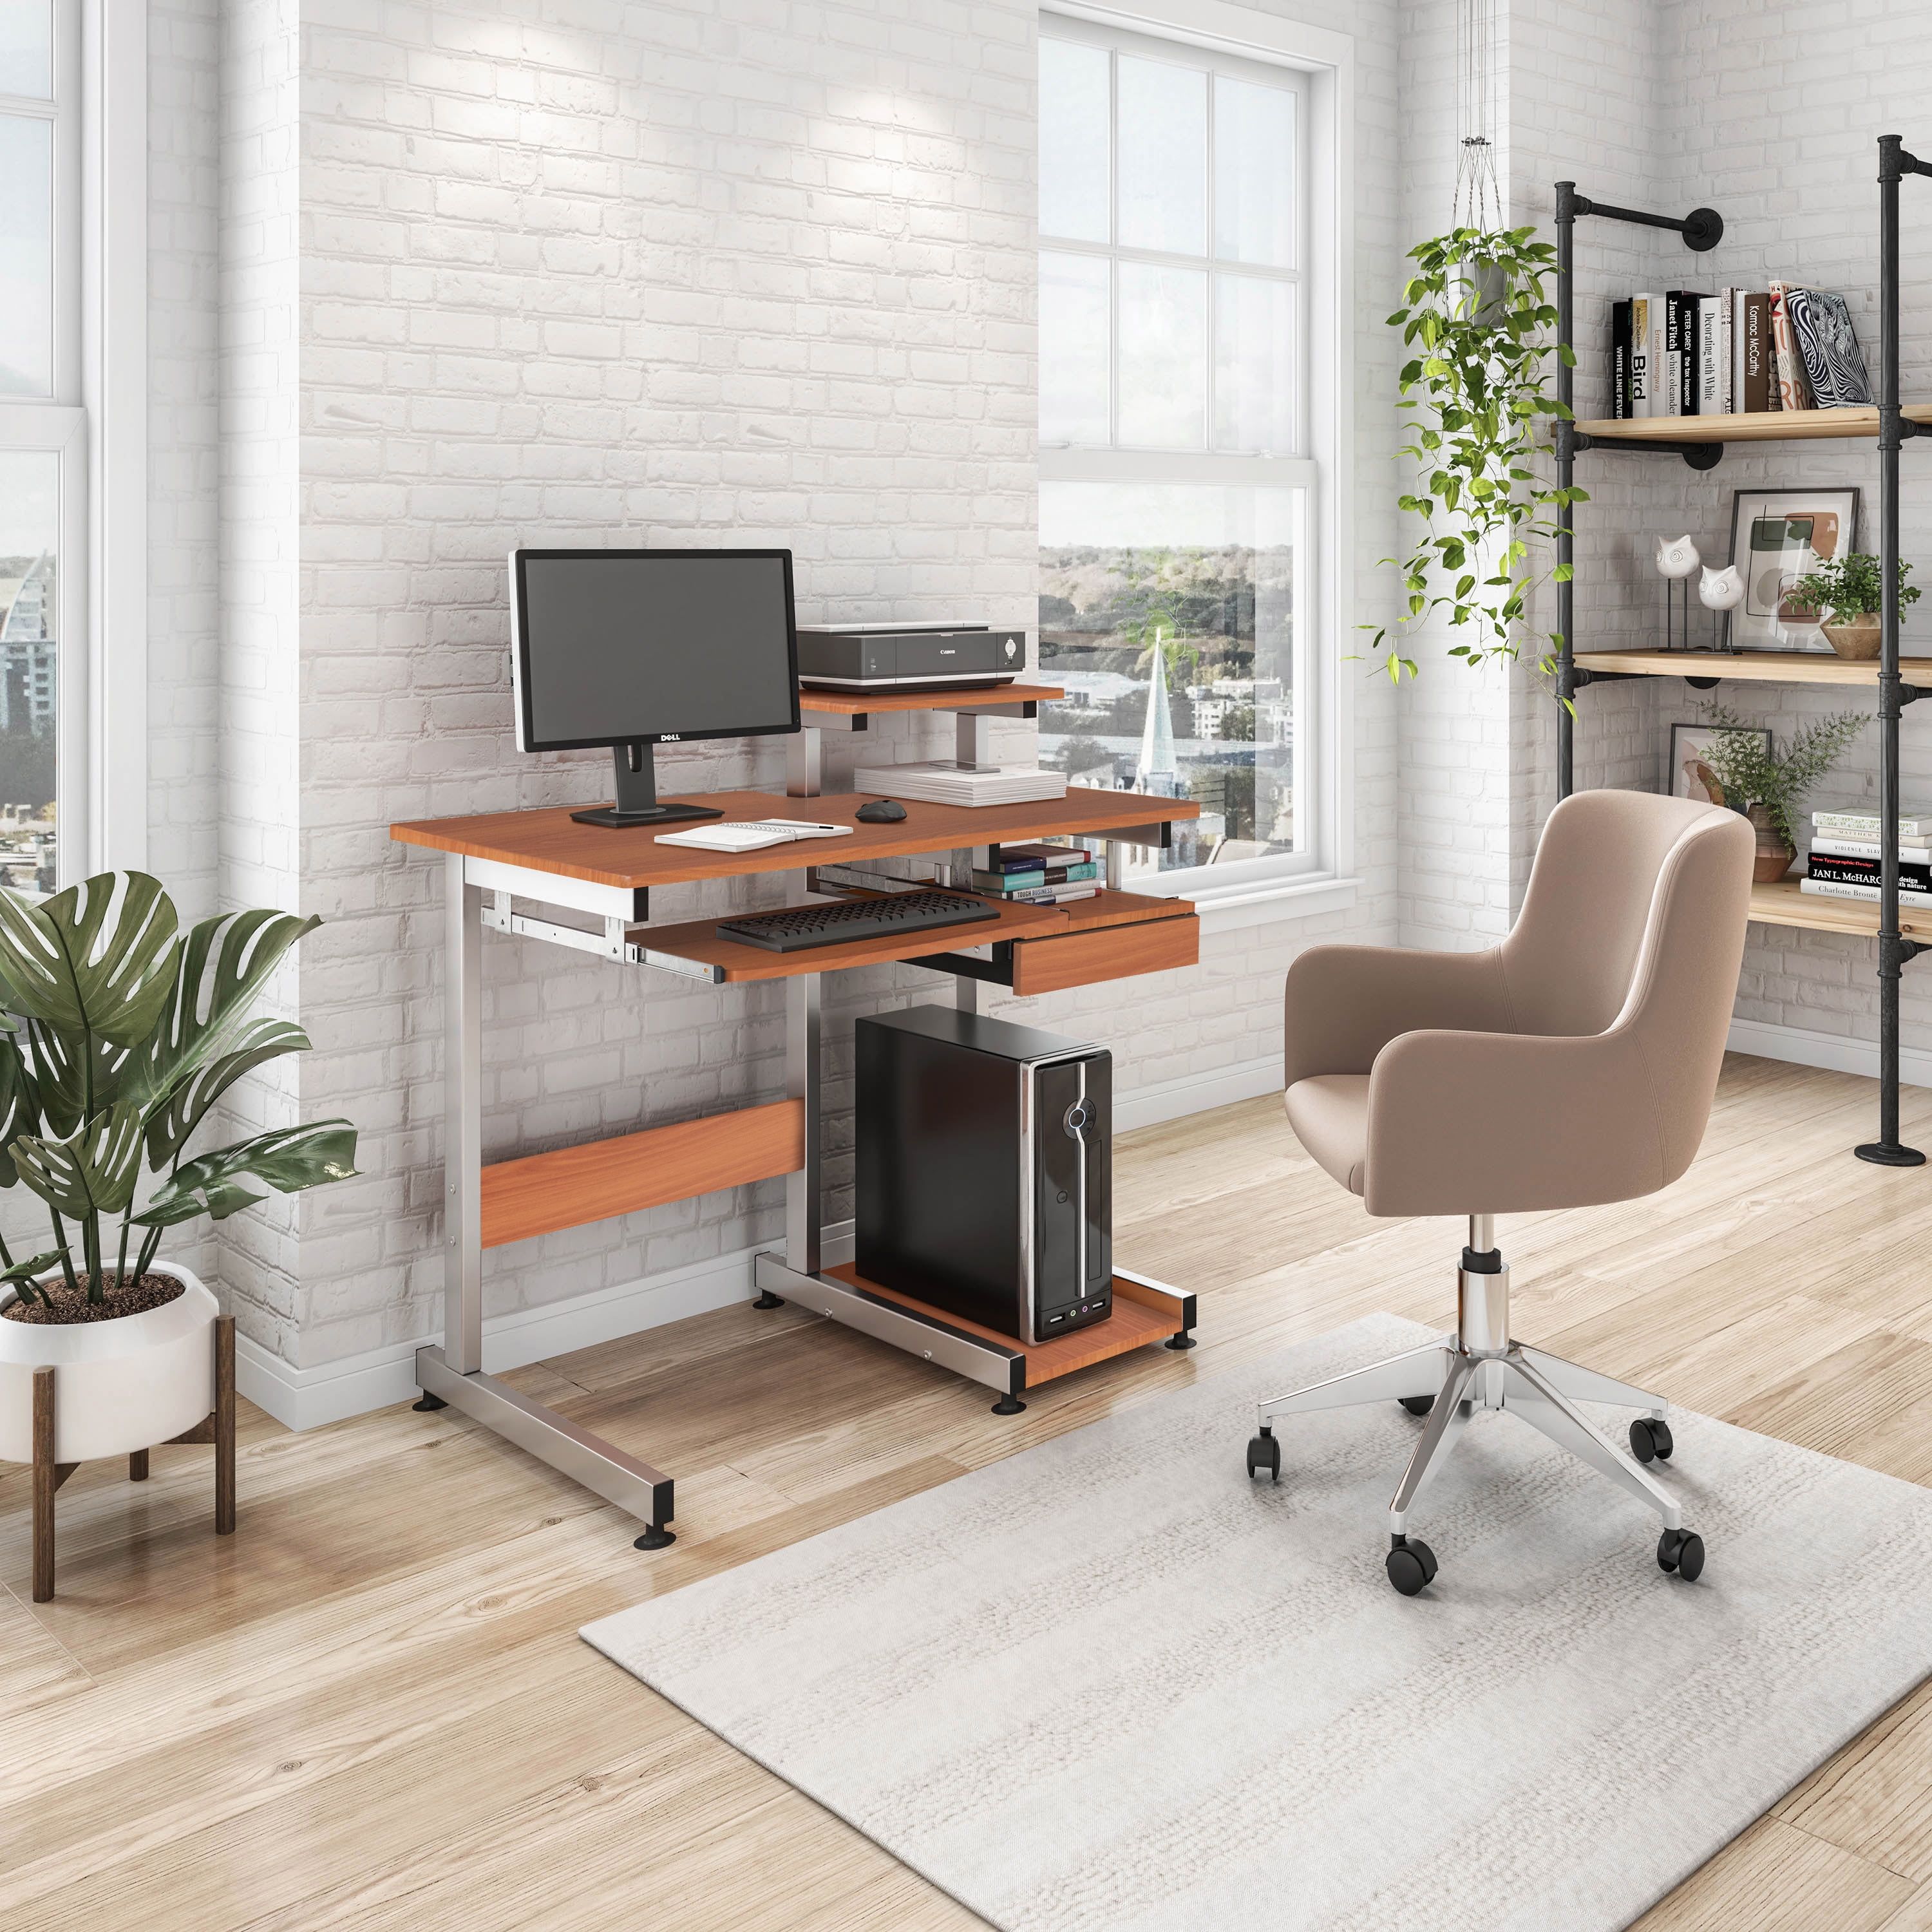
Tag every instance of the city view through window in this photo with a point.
(1177, 657)
(29, 481)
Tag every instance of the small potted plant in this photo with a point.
(1767, 781)
(117, 1035)
(1847, 593)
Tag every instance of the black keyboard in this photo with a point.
(797, 927)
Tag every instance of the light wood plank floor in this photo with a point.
(370, 1708)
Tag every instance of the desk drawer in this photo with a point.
(1108, 953)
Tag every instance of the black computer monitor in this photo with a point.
(631, 648)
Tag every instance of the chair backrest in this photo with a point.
(1635, 919)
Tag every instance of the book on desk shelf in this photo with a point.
(1005, 883)
(940, 784)
(1832, 889)
(1037, 858)
(1059, 895)
(1911, 851)
(1842, 868)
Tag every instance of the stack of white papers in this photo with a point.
(947, 784)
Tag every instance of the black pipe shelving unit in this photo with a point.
(1701, 445)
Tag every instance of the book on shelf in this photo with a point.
(1913, 823)
(1032, 858)
(1620, 360)
(1757, 376)
(1688, 306)
(1827, 346)
(937, 784)
(1646, 346)
(1828, 889)
(1053, 895)
(1007, 883)
(1842, 847)
(1794, 392)
(1839, 869)
(1713, 355)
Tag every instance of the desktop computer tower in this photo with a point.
(984, 1179)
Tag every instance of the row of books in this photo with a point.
(1846, 853)
(1040, 874)
(1684, 354)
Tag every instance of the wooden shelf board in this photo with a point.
(861, 703)
(698, 939)
(1783, 904)
(540, 1193)
(1131, 1325)
(1758, 426)
(1759, 666)
(551, 842)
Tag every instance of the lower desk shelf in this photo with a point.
(1783, 904)
(1145, 1312)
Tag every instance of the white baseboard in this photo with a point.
(1804, 1047)
(308, 1398)
(1195, 1093)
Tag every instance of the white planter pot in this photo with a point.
(119, 1385)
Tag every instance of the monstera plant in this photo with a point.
(118, 1034)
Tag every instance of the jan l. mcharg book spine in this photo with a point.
(1646, 344)
(1760, 371)
(1620, 359)
(1839, 868)
(1794, 392)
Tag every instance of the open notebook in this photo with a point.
(751, 834)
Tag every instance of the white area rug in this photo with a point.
(1111, 1685)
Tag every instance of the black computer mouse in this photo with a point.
(880, 811)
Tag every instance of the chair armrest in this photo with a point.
(1499, 1123)
(1344, 1003)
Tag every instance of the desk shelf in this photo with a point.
(978, 697)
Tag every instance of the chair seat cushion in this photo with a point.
(1330, 1114)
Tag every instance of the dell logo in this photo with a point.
(669, 737)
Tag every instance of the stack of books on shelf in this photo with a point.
(1845, 856)
(1040, 874)
(947, 784)
(1736, 353)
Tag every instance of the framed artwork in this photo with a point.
(1690, 776)
(1777, 536)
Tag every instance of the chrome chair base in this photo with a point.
(1481, 1366)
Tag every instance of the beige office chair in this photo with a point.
(1573, 1064)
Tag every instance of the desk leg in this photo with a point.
(803, 1207)
(462, 1124)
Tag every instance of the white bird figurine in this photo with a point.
(1677, 558)
(1720, 589)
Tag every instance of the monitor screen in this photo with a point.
(615, 646)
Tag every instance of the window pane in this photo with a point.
(29, 526)
(1254, 366)
(27, 48)
(1167, 611)
(1163, 357)
(26, 256)
(1073, 378)
(1163, 157)
(1074, 108)
(1254, 173)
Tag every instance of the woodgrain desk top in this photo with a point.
(551, 842)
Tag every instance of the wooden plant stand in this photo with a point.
(218, 1428)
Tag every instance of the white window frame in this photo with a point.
(1320, 869)
(95, 423)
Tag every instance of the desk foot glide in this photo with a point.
(429, 1402)
(766, 1299)
(655, 1537)
(1183, 1340)
(1009, 1405)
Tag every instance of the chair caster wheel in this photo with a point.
(1411, 1567)
(1682, 1550)
(1417, 1404)
(1650, 1438)
(1265, 1452)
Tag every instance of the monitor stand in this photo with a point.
(637, 802)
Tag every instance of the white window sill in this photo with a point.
(1257, 902)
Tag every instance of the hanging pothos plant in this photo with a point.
(1476, 398)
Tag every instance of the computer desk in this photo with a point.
(498, 864)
